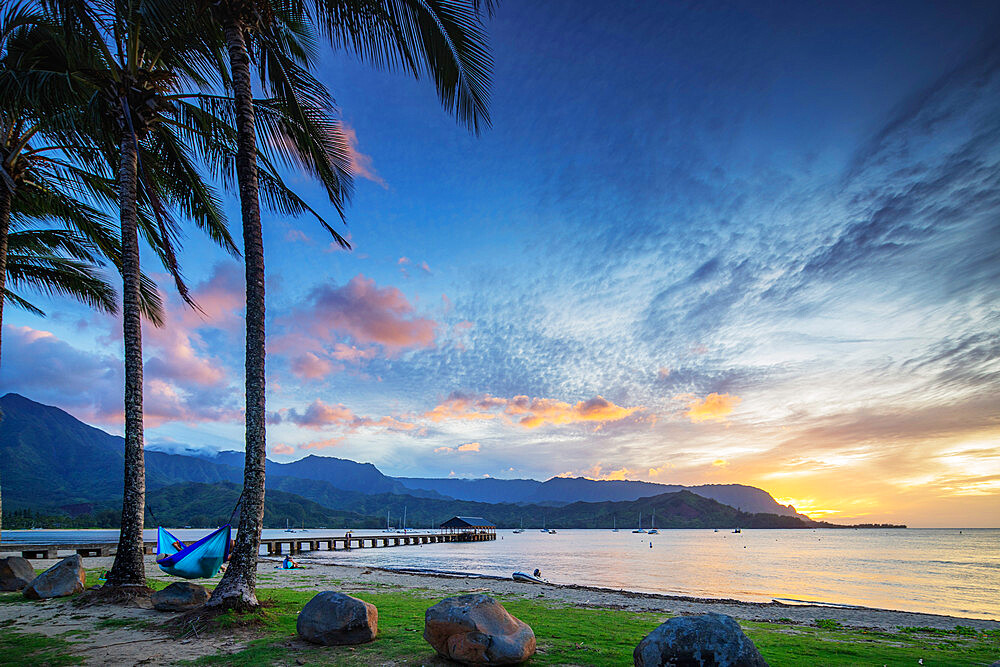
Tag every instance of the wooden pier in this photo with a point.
(271, 546)
(298, 545)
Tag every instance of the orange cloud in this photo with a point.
(469, 447)
(281, 448)
(322, 444)
(712, 407)
(456, 407)
(596, 472)
(532, 412)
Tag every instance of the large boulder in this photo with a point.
(179, 596)
(64, 578)
(334, 619)
(15, 573)
(477, 630)
(712, 639)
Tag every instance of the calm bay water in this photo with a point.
(938, 571)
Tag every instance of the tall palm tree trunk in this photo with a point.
(238, 585)
(128, 569)
(5, 199)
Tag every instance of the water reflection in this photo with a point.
(936, 571)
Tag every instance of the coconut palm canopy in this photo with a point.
(693, 246)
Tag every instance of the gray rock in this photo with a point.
(64, 578)
(696, 641)
(477, 630)
(15, 573)
(334, 619)
(179, 596)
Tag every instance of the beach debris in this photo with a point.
(336, 619)
(180, 596)
(477, 630)
(64, 578)
(15, 573)
(710, 639)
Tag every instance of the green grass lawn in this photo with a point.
(566, 636)
(574, 636)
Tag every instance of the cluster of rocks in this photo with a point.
(64, 578)
(469, 629)
(477, 630)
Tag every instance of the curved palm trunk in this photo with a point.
(238, 585)
(5, 199)
(128, 568)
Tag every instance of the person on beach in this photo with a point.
(289, 564)
(537, 573)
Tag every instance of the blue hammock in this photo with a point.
(200, 560)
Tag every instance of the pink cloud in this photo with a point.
(319, 415)
(89, 385)
(366, 313)
(294, 235)
(280, 449)
(361, 165)
(311, 367)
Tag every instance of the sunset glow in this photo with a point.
(702, 257)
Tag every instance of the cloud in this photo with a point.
(293, 235)
(469, 447)
(713, 407)
(89, 385)
(364, 312)
(596, 472)
(662, 470)
(280, 449)
(318, 415)
(323, 444)
(528, 412)
(311, 367)
(361, 165)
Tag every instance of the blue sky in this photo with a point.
(702, 243)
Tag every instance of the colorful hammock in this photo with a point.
(200, 560)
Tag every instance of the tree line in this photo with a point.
(123, 122)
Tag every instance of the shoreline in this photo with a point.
(608, 598)
(134, 634)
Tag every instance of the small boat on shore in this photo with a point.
(524, 576)
(521, 529)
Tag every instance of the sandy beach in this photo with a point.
(106, 638)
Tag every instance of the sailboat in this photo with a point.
(543, 529)
(287, 529)
(404, 518)
(388, 529)
(639, 529)
(521, 529)
(652, 525)
(614, 524)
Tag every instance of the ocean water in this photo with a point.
(941, 571)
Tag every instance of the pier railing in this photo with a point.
(271, 546)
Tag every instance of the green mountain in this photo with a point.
(56, 465)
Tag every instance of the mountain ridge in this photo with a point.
(52, 455)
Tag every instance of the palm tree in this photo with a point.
(130, 77)
(440, 37)
(38, 186)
